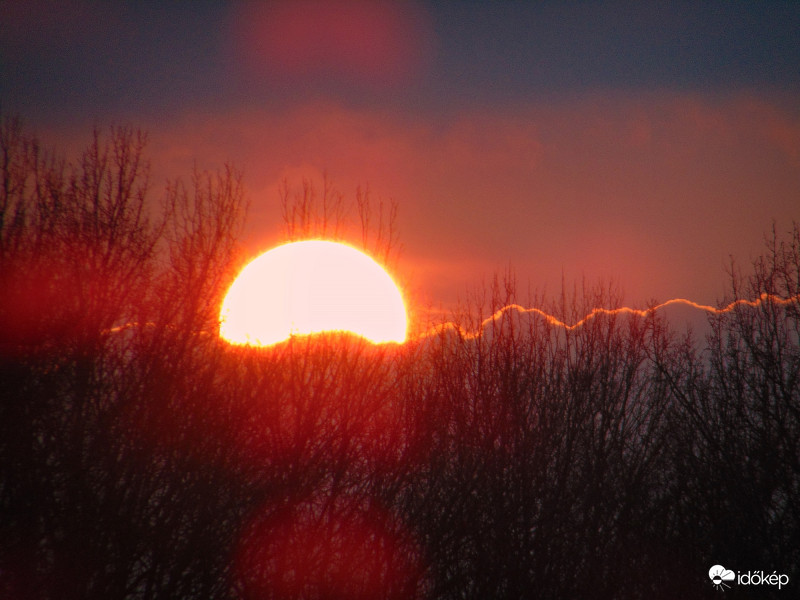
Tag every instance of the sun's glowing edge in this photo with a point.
(330, 288)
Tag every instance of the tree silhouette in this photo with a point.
(104, 294)
(736, 448)
(142, 457)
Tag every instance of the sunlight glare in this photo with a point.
(310, 287)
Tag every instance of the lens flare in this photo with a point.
(327, 547)
(309, 287)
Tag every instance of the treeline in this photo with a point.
(141, 457)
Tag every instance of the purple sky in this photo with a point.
(644, 143)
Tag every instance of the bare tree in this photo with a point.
(92, 314)
(737, 433)
(510, 455)
(307, 214)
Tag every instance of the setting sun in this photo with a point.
(312, 287)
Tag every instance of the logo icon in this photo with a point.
(719, 575)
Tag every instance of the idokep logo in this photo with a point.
(719, 575)
(720, 578)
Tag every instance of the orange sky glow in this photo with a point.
(655, 194)
(644, 153)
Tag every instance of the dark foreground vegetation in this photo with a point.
(141, 457)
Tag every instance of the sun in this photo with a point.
(309, 287)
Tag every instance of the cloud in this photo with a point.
(653, 192)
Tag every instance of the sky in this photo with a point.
(638, 143)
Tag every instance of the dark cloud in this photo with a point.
(551, 47)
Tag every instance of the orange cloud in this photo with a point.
(655, 192)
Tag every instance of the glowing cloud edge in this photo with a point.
(596, 312)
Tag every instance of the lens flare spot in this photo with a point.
(323, 548)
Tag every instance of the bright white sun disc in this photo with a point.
(310, 287)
